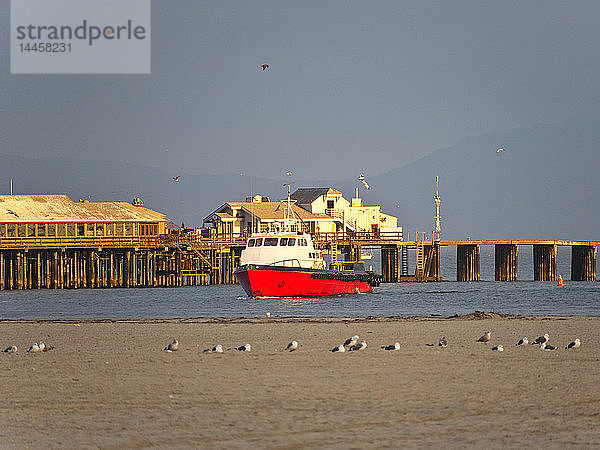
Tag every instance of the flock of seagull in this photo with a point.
(352, 344)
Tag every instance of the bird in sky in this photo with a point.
(264, 67)
(499, 150)
(176, 179)
(364, 182)
(289, 173)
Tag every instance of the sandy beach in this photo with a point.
(108, 384)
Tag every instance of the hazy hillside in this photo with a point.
(544, 184)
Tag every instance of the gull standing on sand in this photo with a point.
(11, 349)
(42, 346)
(244, 348)
(359, 346)
(544, 346)
(522, 341)
(575, 344)
(217, 349)
(498, 348)
(443, 342)
(292, 346)
(542, 339)
(351, 341)
(340, 348)
(395, 346)
(172, 347)
(34, 348)
(485, 338)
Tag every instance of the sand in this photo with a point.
(109, 384)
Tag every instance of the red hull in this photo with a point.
(283, 282)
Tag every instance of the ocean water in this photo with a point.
(442, 298)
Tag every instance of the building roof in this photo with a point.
(60, 208)
(268, 211)
(305, 196)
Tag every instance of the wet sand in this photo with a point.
(109, 384)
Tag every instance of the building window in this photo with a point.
(41, 230)
(99, 229)
(128, 229)
(51, 229)
(70, 229)
(330, 204)
(264, 227)
(81, 229)
(2, 230)
(11, 230)
(110, 229)
(118, 229)
(61, 229)
(90, 227)
(22, 230)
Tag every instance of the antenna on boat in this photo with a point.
(288, 218)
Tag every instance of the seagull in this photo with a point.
(499, 150)
(360, 346)
(244, 348)
(289, 173)
(522, 341)
(42, 346)
(264, 67)
(575, 344)
(485, 338)
(11, 349)
(498, 348)
(176, 179)
(544, 346)
(395, 346)
(217, 349)
(34, 348)
(364, 182)
(172, 347)
(351, 341)
(340, 348)
(292, 346)
(443, 342)
(47, 347)
(542, 339)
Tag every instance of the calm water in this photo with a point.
(444, 298)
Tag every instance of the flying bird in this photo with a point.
(575, 344)
(522, 341)
(172, 347)
(395, 346)
(264, 67)
(292, 346)
(498, 348)
(364, 182)
(351, 341)
(443, 342)
(244, 348)
(359, 346)
(340, 348)
(176, 179)
(499, 150)
(486, 337)
(289, 173)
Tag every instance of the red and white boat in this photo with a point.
(286, 264)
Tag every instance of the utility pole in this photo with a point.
(436, 199)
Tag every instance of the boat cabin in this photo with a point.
(288, 249)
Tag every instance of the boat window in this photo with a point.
(259, 242)
(302, 242)
(291, 241)
(271, 242)
(250, 242)
(283, 241)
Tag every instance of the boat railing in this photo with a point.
(283, 261)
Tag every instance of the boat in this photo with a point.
(284, 263)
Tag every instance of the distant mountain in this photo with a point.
(543, 185)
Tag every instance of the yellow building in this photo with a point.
(354, 216)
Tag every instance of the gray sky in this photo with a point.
(354, 87)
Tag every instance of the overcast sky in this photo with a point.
(353, 87)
